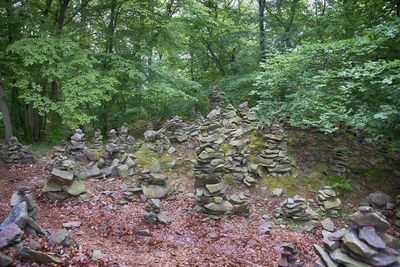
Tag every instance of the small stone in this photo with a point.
(72, 224)
(38, 257)
(327, 260)
(97, 255)
(5, 260)
(369, 235)
(145, 232)
(58, 237)
(278, 192)
(328, 225)
(123, 171)
(76, 188)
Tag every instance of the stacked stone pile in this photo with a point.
(17, 153)
(339, 165)
(98, 140)
(248, 117)
(157, 140)
(124, 139)
(112, 148)
(236, 162)
(125, 164)
(153, 182)
(296, 209)
(328, 200)
(175, 130)
(231, 119)
(77, 147)
(216, 98)
(153, 213)
(289, 255)
(365, 244)
(63, 183)
(273, 160)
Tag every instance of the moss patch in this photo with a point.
(144, 156)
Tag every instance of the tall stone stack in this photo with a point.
(98, 140)
(175, 130)
(248, 117)
(216, 98)
(124, 139)
(63, 183)
(236, 162)
(17, 153)
(273, 160)
(77, 148)
(364, 244)
(289, 255)
(153, 182)
(327, 200)
(112, 148)
(153, 213)
(339, 165)
(231, 119)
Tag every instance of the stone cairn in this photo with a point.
(295, 209)
(365, 244)
(124, 139)
(157, 140)
(63, 183)
(17, 153)
(209, 170)
(153, 213)
(153, 182)
(273, 160)
(216, 98)
(175, 130)
(288, 255)
(77, 148)
(248, 117)
(98, 140)
(328, 200)
(230, 119)
(236, 162)
(112, 148)
(338, 162)
(125, 164)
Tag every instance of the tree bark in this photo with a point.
(6, 115)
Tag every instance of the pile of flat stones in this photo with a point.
(124, 165)
(216, 98)
(365, 244)
(236, 162)
(339, 165)
(327, 200)
(112, 148)
(125, 140)
(63, 182)
(248, 117)
(210, 189)
(17, 153)
(295, 209)
(98, 140)
(289, 255)
(230, 119)
(273, 160)
(153, 213)
(77, 147)
(175, 130)
(153, 182)
(157, 140)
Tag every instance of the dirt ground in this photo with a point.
(189, 240)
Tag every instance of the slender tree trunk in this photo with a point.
(261, 26)
(6, 115)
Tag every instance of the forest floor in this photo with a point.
(191, 239)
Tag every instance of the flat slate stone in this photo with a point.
(156, 191)
(5, 260)
(9, 234)
(328, 225)
(368, 217)
(58, 237)
(338, 256)
(76, 188)
(326, 259)
(17, 215)
(369, 235)
(352, 241)
(38, 257)
(67, 175)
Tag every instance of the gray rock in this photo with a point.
(72, 224)
(326, 259)
(97, 255)
(123, 171)
(265, 226)
(224, 206)
(58, 237)
(18, 215)
(9, 234)
(5, 260)
(352, 241)
(38, 257)
(369, 217)
(338, 256)
(328, 225)
(369, 235)
(278, 192)
(76, 188)
(145, 232)
(156, 191)
(66, 175)
(379, 199)
(52, 186)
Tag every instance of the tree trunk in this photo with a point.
(261, 26)
(6, 115)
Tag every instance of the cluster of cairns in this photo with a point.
(216, 98)
(339, 165)
(153, 213)
(17, 153)
(63, 182)
(153, 182)
(365, 244)
(248, 117)
(295, 209)
(274, 160)
(208, 172)
(22, 219)
(175, 130)
(328, 200)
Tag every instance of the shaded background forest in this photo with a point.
(331, 64)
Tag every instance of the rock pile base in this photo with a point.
(328, 200)
(153, 182)
(339, 165)
(17, 153)
(153, 214)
